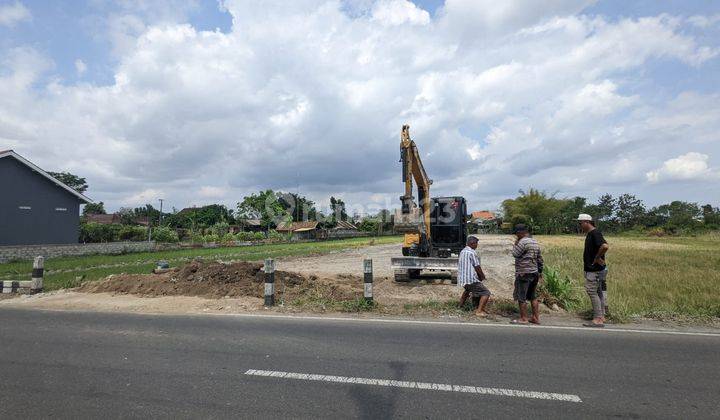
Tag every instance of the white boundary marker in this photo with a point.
(502, 392)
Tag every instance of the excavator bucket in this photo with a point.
(408, 223)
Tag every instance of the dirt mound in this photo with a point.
(216, 280)
(197, 278)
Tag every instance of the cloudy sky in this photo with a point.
(202, 101)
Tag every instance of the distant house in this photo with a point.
(344, 229)
(113, 219)
(302, 230)
(483, 215)
(103, 219)
(251, 225)
(483, 221)
(35, 207)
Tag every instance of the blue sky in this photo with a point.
(633, 83)
(71, 30)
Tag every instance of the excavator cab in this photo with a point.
(434, 228)
(448, 226)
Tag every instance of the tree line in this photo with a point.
(548, 214)
(269, 207)
(542, 211)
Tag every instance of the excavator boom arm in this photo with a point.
(413, 169)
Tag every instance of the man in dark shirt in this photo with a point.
(595, 269)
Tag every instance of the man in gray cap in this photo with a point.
(595, 269)
(528, 269)
(470, 277)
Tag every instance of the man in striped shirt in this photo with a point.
(470, 277)
(528, 269)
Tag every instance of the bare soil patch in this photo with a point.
(494, 251)
(327, 282)
(216, 280)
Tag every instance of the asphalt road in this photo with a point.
(90, 365)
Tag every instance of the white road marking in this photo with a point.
(418, 385)
(609, 329)
(468, 324)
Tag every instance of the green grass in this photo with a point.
(63, 272)
(663, 278)
(358, 305)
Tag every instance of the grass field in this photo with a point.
(70, 271)
(670, 277)
(662, 278)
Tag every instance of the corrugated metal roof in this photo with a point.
(345, 225)
(103, 219)
(295, 226)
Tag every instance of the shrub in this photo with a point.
(274, 235)
(659, 232)
(196, 238)
(220, 229)
(560, 288)
(244, 236)
(96, 232)
(132, 233)
(211, 237)
(258, 236)
(164, 234)
(228, 237)
(184, 234)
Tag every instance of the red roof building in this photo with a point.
(483, 215)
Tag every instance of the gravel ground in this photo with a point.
(494, 253)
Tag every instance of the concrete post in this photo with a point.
(38, 273)
(9, 286)
(368, 280)
(269, 282)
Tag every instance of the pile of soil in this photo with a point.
(215, 280)
(197, 278)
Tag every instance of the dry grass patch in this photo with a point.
(648, 277)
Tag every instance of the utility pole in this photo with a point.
(147, 206)
(161, 213)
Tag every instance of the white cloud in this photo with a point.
(12, 14)
(302, 94)
(479, 19)
(80, 67)
(704, 21)
(592, 100)
(147, 196)
(398, 12)
(689, 166)
(625, 170)
(208, 191)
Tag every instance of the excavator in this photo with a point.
(434, 228)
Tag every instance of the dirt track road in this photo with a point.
(494, 253)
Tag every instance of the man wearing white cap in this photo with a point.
(595, 269)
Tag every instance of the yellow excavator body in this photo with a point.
(411, 239)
